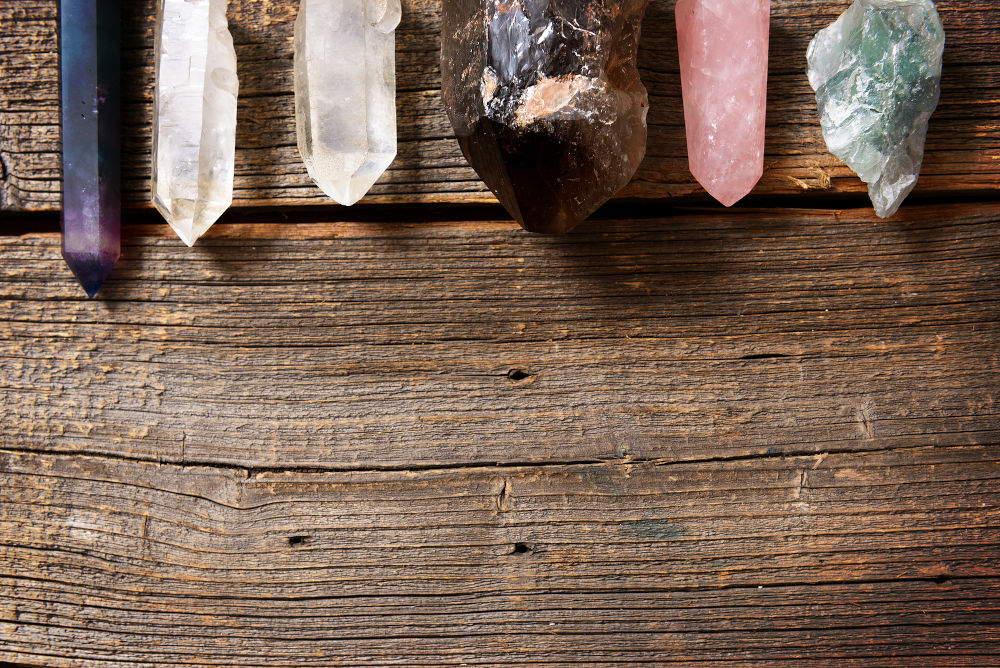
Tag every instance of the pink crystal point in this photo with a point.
(722, 46)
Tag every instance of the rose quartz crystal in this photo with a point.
(723, 55)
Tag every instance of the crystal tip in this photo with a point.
(91, 269)
(557, 222)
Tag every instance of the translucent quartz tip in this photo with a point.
(194, 136)
(345, 92)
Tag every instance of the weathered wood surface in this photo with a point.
(963, 147)
(754, 437)
(750, 436)
(375, 345)
(884, 558)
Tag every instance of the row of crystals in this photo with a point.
(545, 99)
(345, 103)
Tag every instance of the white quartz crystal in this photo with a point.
(345, 92)
(194, 129)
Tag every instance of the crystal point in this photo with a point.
(194, 136)
(877, 75)
(546, 101)
(722, 46)
(345, 92)
(91, 269)
(89, 38)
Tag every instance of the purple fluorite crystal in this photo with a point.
(89, 36)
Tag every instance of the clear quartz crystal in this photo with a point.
(345, 92)
(194, 136)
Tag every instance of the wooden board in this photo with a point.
(963, 147)
(887, 558)
(418, 435)
(754, 437)
(366, 345)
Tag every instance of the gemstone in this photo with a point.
(546, 101)
(345, 92)
(89, 38)
(877, 75)
(722, 46)
(194, 124)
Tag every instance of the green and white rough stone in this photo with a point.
(877, 73)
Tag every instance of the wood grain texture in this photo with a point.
(372, 346)
(678, 436)
(884, 558)
(757, 437)
(963, 147)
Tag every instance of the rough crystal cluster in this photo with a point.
(722, 45)
(194, 135)
(89, 38)
(876, 72)
(546, 101)
(345, 92)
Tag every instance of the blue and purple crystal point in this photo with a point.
(89, 37)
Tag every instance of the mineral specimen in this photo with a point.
(546, 101)
(876, 72)
(345, 92)
(89, 72)
(194, 126)
(722, 46)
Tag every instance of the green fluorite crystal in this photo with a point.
(877, 72)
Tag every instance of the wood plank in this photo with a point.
(875, 558)
(963, 145)
(369, 345)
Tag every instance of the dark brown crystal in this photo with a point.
(546, 101)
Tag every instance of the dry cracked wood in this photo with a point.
(369, 345)
(762, 436)
(883, 558)
(963, 146)
(756, 436)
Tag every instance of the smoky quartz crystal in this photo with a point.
(546, 101)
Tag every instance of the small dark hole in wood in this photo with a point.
(942, 579)
(295, 541)
(518, 374)
(764, 356)
(520, 548)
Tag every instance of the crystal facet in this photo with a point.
(345, 92)
(877, 75)
(89, 71)
(722, 45)
(546, 101)
(194, 135)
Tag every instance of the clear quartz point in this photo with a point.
(345, 92)
(194, 136)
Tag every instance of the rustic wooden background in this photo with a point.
(409, 433)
